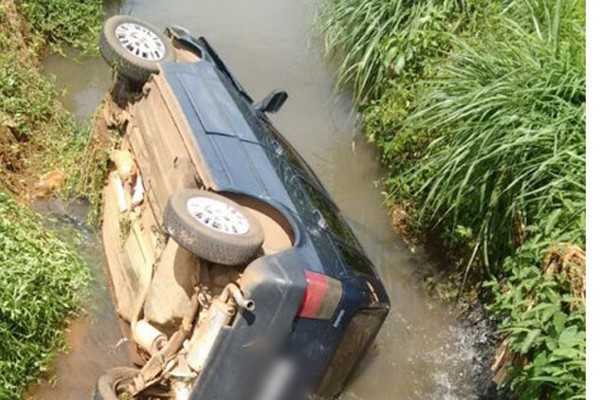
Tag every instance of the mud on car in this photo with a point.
(233, 272)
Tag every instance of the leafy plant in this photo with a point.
(543, 316)
(41, 284)
(381, 39)
(37, 134)
(42, 278)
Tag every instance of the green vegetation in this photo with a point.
(70, 22)
(478, 108)
(37, 135)
(42, 278)
(41, 281)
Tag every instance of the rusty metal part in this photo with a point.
(152, 370)
(233, 291)
(148, 337)
(219, 314)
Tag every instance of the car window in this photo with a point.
(327, 218)
(309, 196)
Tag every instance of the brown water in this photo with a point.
(421, 353)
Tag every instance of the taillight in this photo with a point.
(322, 296)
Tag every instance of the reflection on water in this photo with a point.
(82, 80)
(420, 353)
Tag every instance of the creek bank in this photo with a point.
(478, 110)
(43, 279)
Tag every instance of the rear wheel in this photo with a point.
(212, 227)
(134, 47)
(110, 384)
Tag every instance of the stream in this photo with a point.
(422, 351)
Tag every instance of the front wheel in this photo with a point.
(134, 47)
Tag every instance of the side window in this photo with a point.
(281, 146)
(327, 216)
(313, 202)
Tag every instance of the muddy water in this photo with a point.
(421, 353)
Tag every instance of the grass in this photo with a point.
(37, 135)
(41, 282)
(543, 312)
(509, 147)
(36, 129)
(379, 39)
(479, 113)
(59, 22)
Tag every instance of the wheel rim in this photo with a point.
(140, 41)
(218, 216)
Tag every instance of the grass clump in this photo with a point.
(508, 159)
(41, 282)
(381, 39)
(75, 23)
(483, 131)
(37, 135)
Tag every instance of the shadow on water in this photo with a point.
(421, 352)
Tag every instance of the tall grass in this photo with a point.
(379, 39)
(42, 277)
(75, 23)
(509, 117)
(41, 284)
(37, 134)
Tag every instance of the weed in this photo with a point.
(543, 317)
(75, 23)
(382, 39)
(509, 153)
(39, 134)
(41, 284)
(92, 173)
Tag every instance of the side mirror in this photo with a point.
(273, 102)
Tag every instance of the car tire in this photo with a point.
(106, 387)
(120, 41)
(212, 227)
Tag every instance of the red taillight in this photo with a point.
(322, 296)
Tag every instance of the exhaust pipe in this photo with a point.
(232, 290)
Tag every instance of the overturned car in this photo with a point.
(232, 270)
